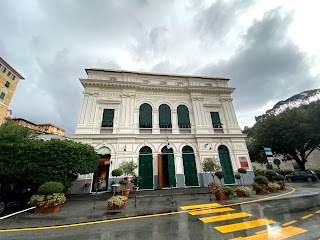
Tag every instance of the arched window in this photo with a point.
(183, 117)
(165, 116)
(145, 116)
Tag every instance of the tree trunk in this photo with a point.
(300, 162)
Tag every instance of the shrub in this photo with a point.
(49, 188)
(242, 170)
(228, 190)
(273, 186)
(270, 173)
(123, 182)
(257, 186)
(219, 174)
(128, 167)
(245, 190)
(237, 176)
(258, 172)
(261, 180)
(47, 200)
(278, 177)
(136, 179)
(117, 200)
(117, 172)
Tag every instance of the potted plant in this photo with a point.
(270, 174)
(242, 171)
(243, 191)
(128, 168)
(221, 192)
(238, 177)
(135, 180)
(273, 187)
(116, 202)
(220, 175)
(48, 198)
(260, 185)
(211, 165)
(280, 180)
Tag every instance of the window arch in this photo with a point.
(145, 116)
(165, 116)
(183, 117)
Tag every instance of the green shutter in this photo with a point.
(145, 116)
(165, 116)
(7, 84)
(183, 117)
(215, 118)
(107, 119)
(2, 95)
(13, 77)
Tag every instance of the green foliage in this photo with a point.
(128, 167)
(270, 173)
(228, 190)
(136, 180)
(117, 172)
(219, 174)
(245, 190)
(237, 176)
(49, 188)
(278, 177)
(211, 165)
(12, 133)
(293, 133)
(117, 200)
(123, 182)
(47, 200)
(35, 162)
(273, 186)
(242, 170)
(258, 172)
(261, 180)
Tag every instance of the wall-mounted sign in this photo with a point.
(243, 162)
(269, 154)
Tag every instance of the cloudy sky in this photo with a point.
(269, 49)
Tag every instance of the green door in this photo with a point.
(189, 166)
(145, 168)
(226, 164)
(172, 174)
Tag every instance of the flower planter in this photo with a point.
(125, 192)
(241, 194)
(262, 192)
(273, 190)
(42, 209)
(113, 207)
(283, 188)
(222, 196)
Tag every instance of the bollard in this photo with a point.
(171, 196)
(135, 200)
(210, 194)
(95, 199)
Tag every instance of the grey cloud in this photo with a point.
(268, 66)
(215, 22)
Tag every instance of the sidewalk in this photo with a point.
(80, 208)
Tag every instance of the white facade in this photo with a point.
(126, 91)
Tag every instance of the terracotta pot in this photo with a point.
(42, 209)
(241, 194)
(125, 192)
(135, 189)
(262, 192)
(273, 190)
(282, 188)
(222, 196)
(112, 207)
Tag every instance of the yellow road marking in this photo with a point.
(207, 205)
(289, 223)
(208, 211)
(87, 223)
(244, 225)
(275, 234)
(307, 216)
(318, 211)
(219, 218)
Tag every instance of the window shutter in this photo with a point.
(165, 116)
(183, 117)
(145, 116)
(215, 118)
(107, 119)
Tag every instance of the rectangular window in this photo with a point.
(2, 68)
(107, 119)
(10, 75)
(2, 95)
(7, 84)
(215, 118)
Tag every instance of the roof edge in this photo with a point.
(11, 68)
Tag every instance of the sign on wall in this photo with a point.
(243, 162)
(269, 154)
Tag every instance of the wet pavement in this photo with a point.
(172, 222)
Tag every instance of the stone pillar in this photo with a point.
(175, 127)
(84, 107)
(155, 121)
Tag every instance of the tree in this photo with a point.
(211, 165)
(293, 133)
(10, 133)
(35, 162)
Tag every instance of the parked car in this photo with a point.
(12, 196)
(306, 175)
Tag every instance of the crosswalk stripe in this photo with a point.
(219, 218)
(307, 216)
(208, 211)
(207, 205)
(275, 234)
(244, 225)
(289, 223)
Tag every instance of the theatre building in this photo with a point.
(168, 124)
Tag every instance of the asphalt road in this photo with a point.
(297, 218)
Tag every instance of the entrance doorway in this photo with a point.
(226, 164)
(101, 175)
(145, 168)
(189, 166)
(166, 168)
